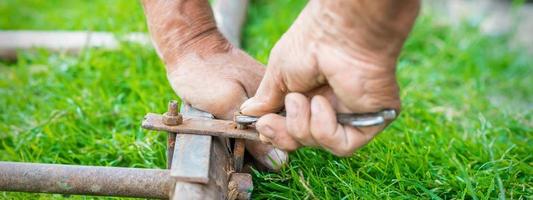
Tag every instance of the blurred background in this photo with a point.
(465, 75)
(492, 17)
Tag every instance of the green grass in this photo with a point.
(465, 130)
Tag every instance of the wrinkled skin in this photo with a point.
(218, 83)
(203, 68)
(338, 56)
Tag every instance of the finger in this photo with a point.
(340, 140)
(269, 96)
(267, 155)
(327, 93)
(272, 126)
(297, 120)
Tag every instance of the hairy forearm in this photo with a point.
(179, 27)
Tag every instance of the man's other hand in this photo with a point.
(338, 57)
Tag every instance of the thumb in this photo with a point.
(269, 97)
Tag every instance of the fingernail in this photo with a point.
(316, 107)
(276, 159)
(250, 103)
(266, 130)
(292, 107)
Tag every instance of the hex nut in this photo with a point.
(172, 120)
(240, 186)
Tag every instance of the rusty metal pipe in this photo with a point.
(62, 41)
(87, 180)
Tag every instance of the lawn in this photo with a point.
(465, 131)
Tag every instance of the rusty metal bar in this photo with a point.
(171, 117)
(238, 154)
(87, 180)
(62, 41)
(240, 186)
(171, 142)
(198, 126)
(192, 154)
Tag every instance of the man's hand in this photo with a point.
(217, 83)
(203, 68)
(338, 56)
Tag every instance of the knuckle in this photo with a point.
(299, 135)
(296, 131)
(265, 120)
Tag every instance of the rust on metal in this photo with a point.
(219, 166)
(172, 117)
(191, 158)
(200, 126)
(131, 182)
(171, 142)
(88, 180)
(238, 149)
(217, 187)
(191, 153)
(240, 186)
(172, 109)
(171, 120)
(238, 154)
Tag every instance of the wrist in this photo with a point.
(183, 27)
(203, 42)
(204, 45)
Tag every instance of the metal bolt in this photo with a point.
(240, 186)
(172, 108)
(238, 148)
(239, 124)
(172, 117)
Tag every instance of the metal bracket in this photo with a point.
(190, 154)
(200, 126)
(190, 138)
(201, 168)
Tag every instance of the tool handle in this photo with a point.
(349, 119)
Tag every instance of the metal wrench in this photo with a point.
(349, 119)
